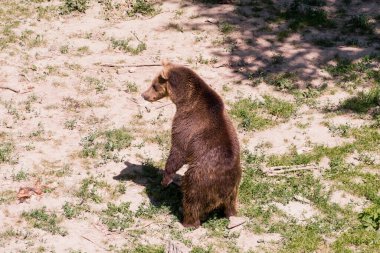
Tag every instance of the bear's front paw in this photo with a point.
(168, 179)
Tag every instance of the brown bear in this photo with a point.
(203, 137)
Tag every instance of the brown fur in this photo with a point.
(202, 137)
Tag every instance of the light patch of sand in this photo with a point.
(285, 135)
(248, 241)
(300, 211)
(343, 199)
(197, 236)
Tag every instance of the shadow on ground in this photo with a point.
(171, 197)
(149, 176)
(300, 36)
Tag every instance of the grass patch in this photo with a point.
(97, 84)
(89, 189)
(7, 197)
(147, 211)
(279, 108)
(324, 42)
(370, 218)
(245, 110)
(105, 143)
(20, 176)
(73, 210)
(363, 101)
(359, 240)
(351, 74)
(143, 7)
(74, 5)
(282, 81)
(131, 87)
(302, 14)
(216, 225)
(302, 238)
(40, 218)
(226, 28)
(145, 249)
(6, 150)
(70, 124)
(123, 45)
(258, 192)
(198, 249)
(292, 158)
(117, 217)
(257, 115)
(360, 24)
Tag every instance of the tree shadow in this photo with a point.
(150, 177)
(274, 36)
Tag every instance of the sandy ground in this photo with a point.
(58, 90)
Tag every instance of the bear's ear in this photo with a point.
(166, 63)
(165, 74)
(166, 67)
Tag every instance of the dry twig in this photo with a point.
(111, 65)
(277, 170)
(88, 239)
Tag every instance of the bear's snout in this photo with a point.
(144, 96)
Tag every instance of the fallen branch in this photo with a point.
(277, 170)
(94, 243)
(9, 88)
(137, 38)
(26, 77)
(111, 65)
(138, 228)
(16, 91)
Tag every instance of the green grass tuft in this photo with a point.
(105, 143)
(74, 5)
(89, 189)
(124, 46)
(117, 217)
(253, 114)
(6, 150)
(143, 7)
(363, 101)
(40, 218)
(370, 218)
(300, 15)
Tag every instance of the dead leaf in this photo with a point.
(27, 192)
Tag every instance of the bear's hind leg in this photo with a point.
(230, 205)
(191, 214)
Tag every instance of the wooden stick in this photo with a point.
(137, 228)
(94, 243)
(111, 65)
(9, 88)
(15, 91)
(134, 34)
(272, 171)
(26, 77)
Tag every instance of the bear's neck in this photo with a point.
(202, 98)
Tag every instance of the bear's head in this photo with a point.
(174, 81)
(159, 87)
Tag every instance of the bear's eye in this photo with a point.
(155, 87)
(161, 79)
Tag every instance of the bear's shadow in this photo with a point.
(150, 177)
